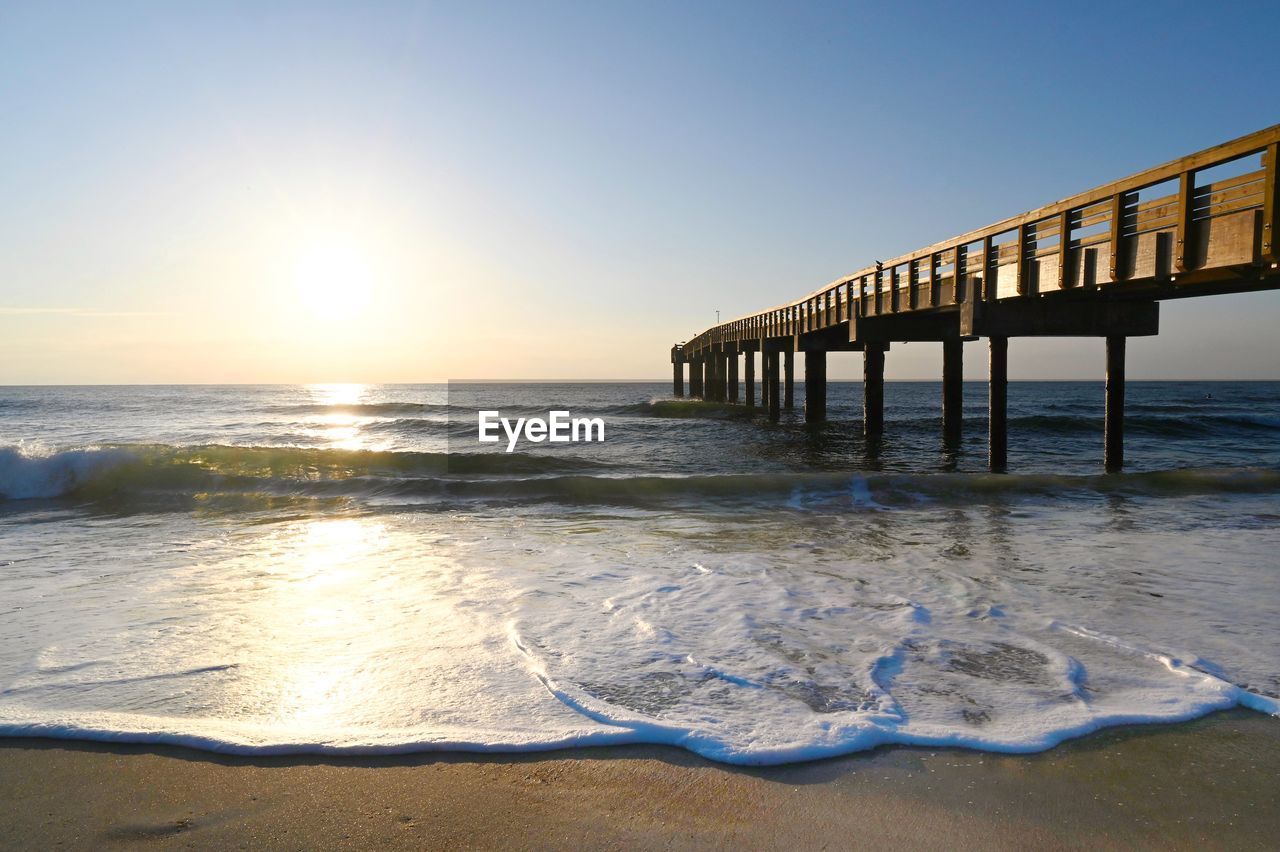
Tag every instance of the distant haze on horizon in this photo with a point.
(413, 192)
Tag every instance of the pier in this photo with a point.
(1096, 264)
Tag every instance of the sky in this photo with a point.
(407, 192)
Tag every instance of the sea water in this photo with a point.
(346, 569)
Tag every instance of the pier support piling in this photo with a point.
(750, 378)
(731, 377)
(708, 377)
(771, 384)
(998, 406)
(764, 378)
(873, 390)
(815, 385)
(695, 378)
(1113, 453)
(789, 379)
(677, 379)
(952, 389)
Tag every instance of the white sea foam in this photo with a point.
(782, 636)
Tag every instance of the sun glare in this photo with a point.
(333, 280)
(338, 393)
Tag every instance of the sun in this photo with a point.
(333, 279)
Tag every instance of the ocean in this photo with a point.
(345, 568)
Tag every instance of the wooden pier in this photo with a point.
(1093, 265)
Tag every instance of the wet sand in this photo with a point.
(1213, 782)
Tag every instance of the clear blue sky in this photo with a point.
(563, 190)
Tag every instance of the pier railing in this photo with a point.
(1202, 224)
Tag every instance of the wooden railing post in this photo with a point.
(989, 267)
(1065, 280)
(1182, 230)
(1271, 188)
(1023, 268)
(1117, 235)
(935, 286)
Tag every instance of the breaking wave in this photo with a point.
(102, 473)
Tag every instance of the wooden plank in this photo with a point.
(1149, 256)
(1151, 222)
(1006, 280)
(1226, 240)
(1232, 182)
(1047, 229)
(1233, 205)
(1045, 273)
(1157, 206)
(1102, 207)
(1094, 218)
(1208, 196)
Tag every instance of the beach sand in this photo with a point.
(1212, 782)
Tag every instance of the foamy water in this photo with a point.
(279, 570)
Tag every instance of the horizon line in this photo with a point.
(666, 381)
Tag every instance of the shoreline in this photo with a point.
(1209, 781)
